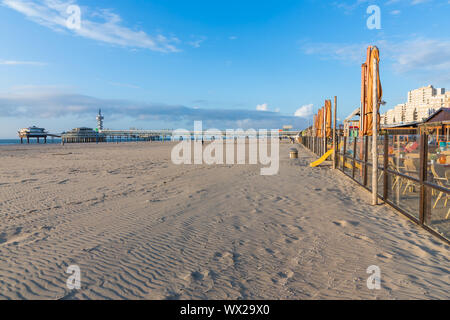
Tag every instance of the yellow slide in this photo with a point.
(324, 157)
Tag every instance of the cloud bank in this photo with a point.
(49, 105)
(101, 25)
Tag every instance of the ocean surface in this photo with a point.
(58, 141)
(32, 141)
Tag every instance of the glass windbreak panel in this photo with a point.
(359, 172)
(369, 149)
(438, 161)
(380, 179)
(369, 177)
(349, 150)
(405, 194)
(359, 148)
(404, 154)
(380, 182)
(380, 150)
(348, 166)
(438, 217)
(341, 145)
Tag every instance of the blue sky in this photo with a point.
(165, 63)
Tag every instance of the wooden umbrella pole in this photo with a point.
(313, 135)
(374, 136)
(334, 133)
(324, 129)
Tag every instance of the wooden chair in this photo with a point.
(441, 181)
(411, 170)
(398, 179)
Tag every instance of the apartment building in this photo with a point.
(421, 103)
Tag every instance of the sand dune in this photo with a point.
(140, 227)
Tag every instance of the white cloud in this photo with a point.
(337, 51)
(421, 55)
(304, 111)
(100, 25)
(262, 107)
(232, 37)
(21, 63)
(395, 12)
(425, 58)
(349, 7)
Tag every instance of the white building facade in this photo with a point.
(421, 103)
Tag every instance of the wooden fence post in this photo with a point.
(385, 165)
(423, 209)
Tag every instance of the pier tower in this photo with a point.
(100, 119)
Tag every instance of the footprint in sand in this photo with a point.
(344, 223)
(359, 237)
(198, 276)
(384, 255)
(290, 239)
(225, 259)
(14, 237)
(283, 277)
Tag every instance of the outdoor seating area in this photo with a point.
(413, 175)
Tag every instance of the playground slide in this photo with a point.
(324, 157)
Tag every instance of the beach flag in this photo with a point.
(320, 124)
(328, 118)
(315, 125)
(367, 107)
(363, 98)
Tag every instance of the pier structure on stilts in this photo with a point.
(35, 133)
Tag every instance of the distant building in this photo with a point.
(421, 103)
(32, 132)
(100, 119)
(82, 135)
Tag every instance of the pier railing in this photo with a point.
(413, 173)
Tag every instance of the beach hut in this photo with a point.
(437, 124)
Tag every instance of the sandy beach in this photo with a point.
(140, 227)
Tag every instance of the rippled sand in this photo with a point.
(140, 227)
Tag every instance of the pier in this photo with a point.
(88, 135)
(99, 134)
(35, 133)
